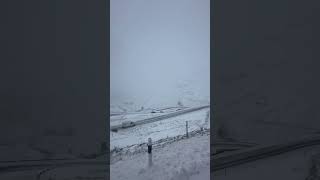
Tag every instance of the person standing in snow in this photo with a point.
(149, 145)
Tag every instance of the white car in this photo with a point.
(127, 124)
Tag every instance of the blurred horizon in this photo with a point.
(160, 52)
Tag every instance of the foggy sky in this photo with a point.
(158, 46)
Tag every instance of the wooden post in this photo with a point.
(187, 129)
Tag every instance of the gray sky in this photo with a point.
(157, 46)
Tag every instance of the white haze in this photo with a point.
(160, 52)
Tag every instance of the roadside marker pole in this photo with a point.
(149, 145)
(149, 152)
(187, 129)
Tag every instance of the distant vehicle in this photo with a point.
(114, 130)
(127, 124)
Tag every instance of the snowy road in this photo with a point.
(160, 129)
(118, 118)
(152, 117)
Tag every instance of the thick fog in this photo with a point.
(160, 52)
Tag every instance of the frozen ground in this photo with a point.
(159, 130)
(182, 160)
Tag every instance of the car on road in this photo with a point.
(127, 124)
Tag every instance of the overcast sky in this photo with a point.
(156, 47)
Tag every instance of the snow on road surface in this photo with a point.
(160, 129)
(136, 116)
(186, 159)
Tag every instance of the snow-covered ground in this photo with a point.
(174, 156)
(182, 160)
(159, 130)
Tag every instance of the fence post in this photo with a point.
(187, 129)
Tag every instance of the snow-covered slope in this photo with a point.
(174, 155)
(185, 93)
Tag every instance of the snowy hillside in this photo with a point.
(183, 93)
